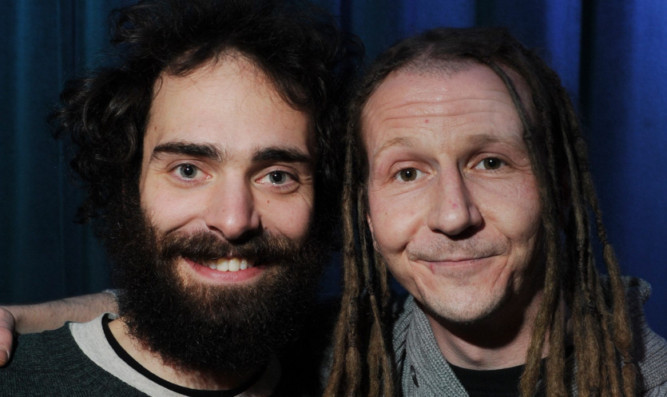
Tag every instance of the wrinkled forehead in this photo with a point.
(514, 84)
(448, 68)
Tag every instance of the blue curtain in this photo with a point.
(610, 54)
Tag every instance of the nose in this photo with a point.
(453, 210)
(231, 210)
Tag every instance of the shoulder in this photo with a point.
(650, 348)
(45, 350)
(651, 356)
(52, 361)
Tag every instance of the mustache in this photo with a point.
(447, 250)
(205, 246)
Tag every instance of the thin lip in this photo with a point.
(419, 258)
(455, 260)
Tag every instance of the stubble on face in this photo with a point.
(452, 194)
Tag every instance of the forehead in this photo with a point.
(470, 103)
(459, 88)
(230, 98)
(466, 99)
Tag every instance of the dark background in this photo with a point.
(611, 55)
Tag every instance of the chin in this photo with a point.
(465, 310)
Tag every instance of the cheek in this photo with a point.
(517, 212)
(168, 208)
(393, 222)
(289, 217)
(529, 212)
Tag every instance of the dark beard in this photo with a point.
(203, 327)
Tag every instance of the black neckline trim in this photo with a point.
(118, 349)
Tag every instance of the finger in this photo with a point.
(6, 335)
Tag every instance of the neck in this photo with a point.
(185, 377)
(499, 341)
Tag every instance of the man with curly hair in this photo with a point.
(209, 159)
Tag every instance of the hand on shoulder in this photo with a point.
(7, 323)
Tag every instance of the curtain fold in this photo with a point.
(610, 55)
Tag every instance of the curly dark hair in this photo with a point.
(559, 161)
(299, 47)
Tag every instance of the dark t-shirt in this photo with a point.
(499, 383)
(51, 363)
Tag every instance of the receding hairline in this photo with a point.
(427, 64)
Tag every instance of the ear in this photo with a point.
(369, 222)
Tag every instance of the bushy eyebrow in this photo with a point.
(188, 149)
(287, 155)
(208, 151)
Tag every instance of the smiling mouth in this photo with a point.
(455, 262)
(459, 260)
(451, 259)
(228, 264)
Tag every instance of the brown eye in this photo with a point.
(407, 174)
(491, 163)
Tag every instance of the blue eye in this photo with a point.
(279, 181)
(278, 177)
(187, 171)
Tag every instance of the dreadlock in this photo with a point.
(600, 330)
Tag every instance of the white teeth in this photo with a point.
(229, 265)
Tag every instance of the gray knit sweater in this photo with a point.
(424, 371)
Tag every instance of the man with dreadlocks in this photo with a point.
(468, 175)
